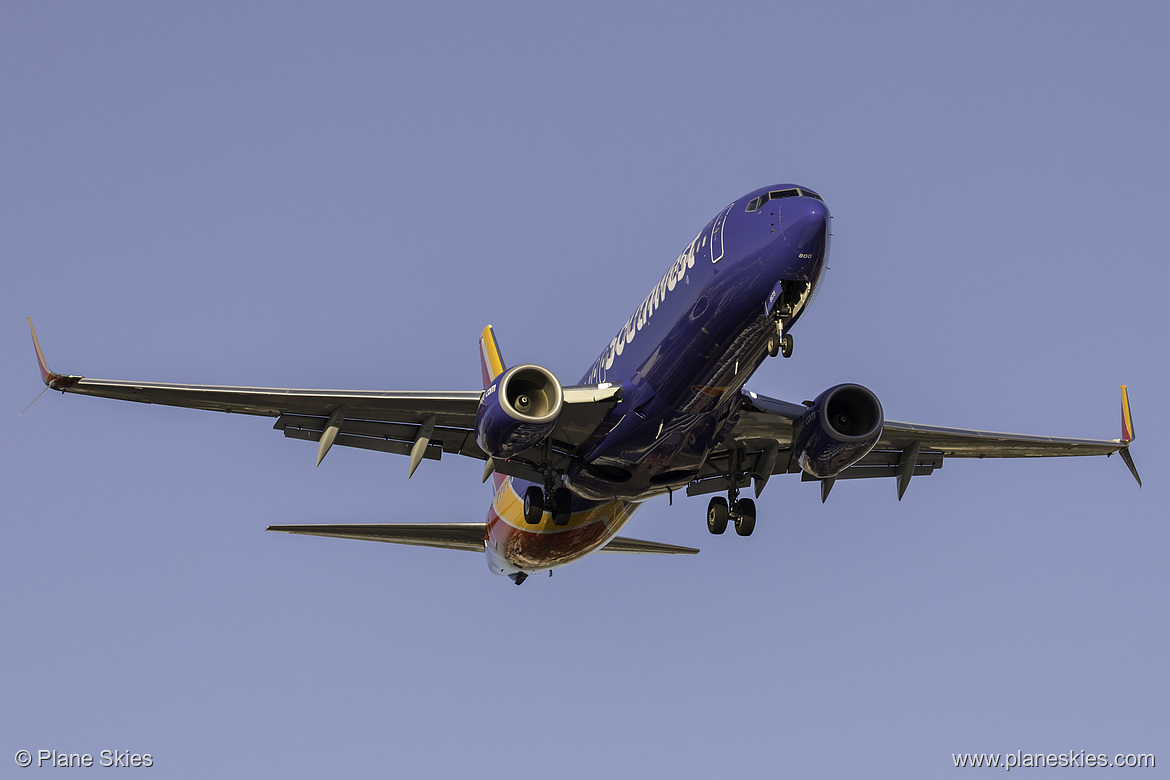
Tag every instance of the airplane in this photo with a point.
(662, 409)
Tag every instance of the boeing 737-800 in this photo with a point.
(662, 409)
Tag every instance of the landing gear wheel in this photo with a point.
(533, 505)
(745, 516)
(717, 515)
(562, 506)
(775, 338)
(786, 345)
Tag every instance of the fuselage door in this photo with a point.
(716, 237)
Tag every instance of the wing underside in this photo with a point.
(426, 424)
(761, 446)
(420, 424)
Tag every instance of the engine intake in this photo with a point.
(518, 411)
(840, 427)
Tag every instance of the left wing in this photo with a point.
(421, 425)
(761, 445)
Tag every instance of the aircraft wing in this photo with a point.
(762, 445)
(422, 425)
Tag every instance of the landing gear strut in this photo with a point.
(554, 497)
(792, 296)
(741, 511)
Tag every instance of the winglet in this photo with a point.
(1125, 456)
(490, 361)
(55, 381)
(1127, 434)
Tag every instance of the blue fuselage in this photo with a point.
(688, 349)
(681, 359)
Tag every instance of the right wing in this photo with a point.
(421, 425)
(760, 445)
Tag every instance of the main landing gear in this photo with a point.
(553, 498)
(537, 500)
(742, 511)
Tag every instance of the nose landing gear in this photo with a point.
(779, 342)
(793, 296)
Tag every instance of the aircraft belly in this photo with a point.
(513, 542)
(676, 403)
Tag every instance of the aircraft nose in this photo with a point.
(804, 222)
(804, 225)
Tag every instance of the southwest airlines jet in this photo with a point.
(662, 408)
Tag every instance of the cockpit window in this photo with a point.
(774, 194)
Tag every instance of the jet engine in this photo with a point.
(518, 411)
(840, 427)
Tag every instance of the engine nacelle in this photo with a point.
(839, 429)
(518, 411)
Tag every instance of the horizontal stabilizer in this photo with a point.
(451, 536)
(622, 545)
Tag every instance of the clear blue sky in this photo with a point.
(300, 195)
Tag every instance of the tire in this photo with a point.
(533, 505)
(776, 338)
(562, 506)
(745, 516)
(786, 345)
(717, 515)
